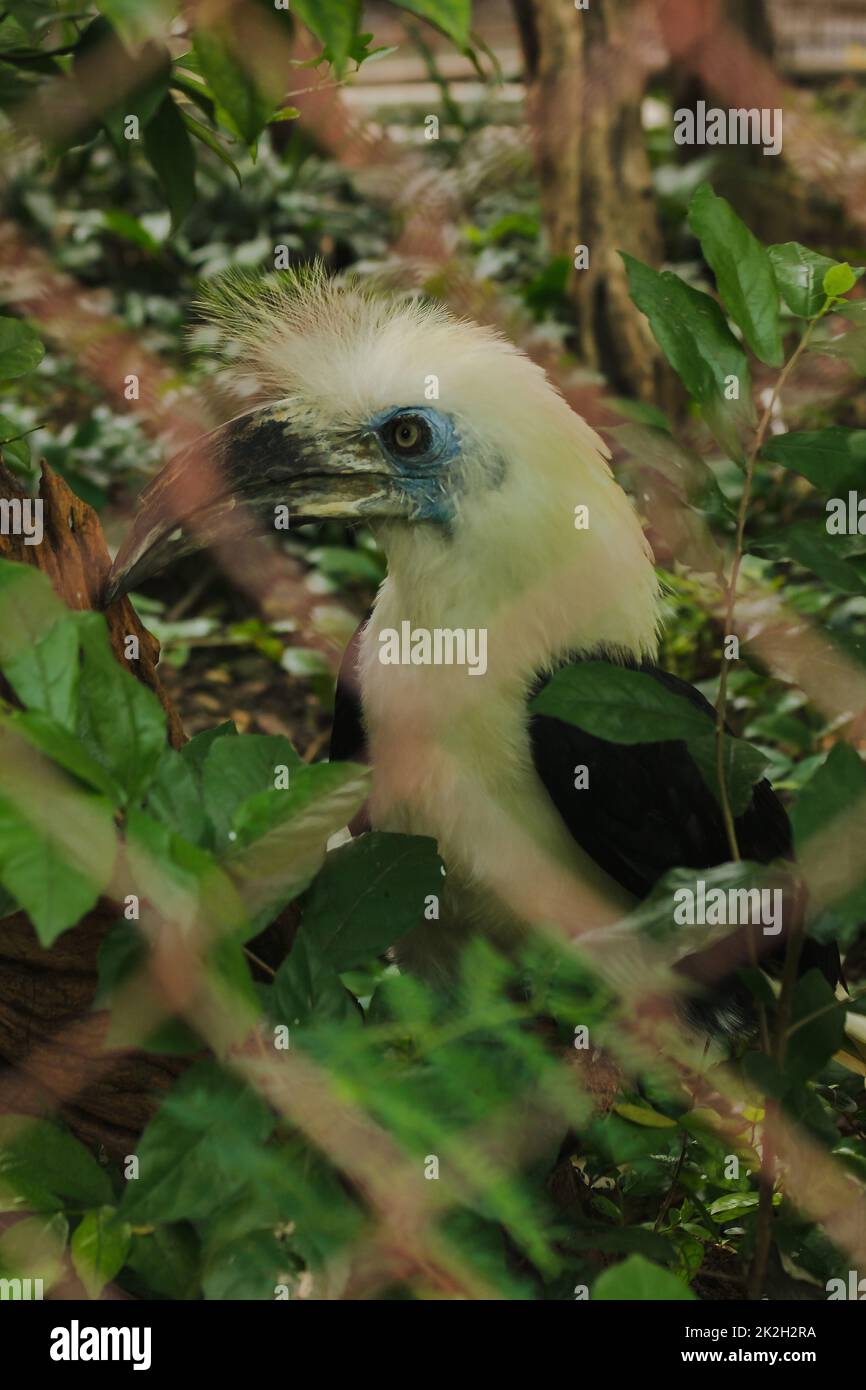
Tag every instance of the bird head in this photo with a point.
(438, 433)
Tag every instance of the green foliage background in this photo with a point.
(233, 1199)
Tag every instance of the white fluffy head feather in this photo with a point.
(339, 354)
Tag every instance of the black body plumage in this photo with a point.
(645, 811)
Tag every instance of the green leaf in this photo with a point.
(281, 835)
(38, 643)
(620, 704)
(690, 329)
(453, 17)
(684, 470)
(167, 1261)
(57, 845)
(207, 137)
(235, 769)
(45, 675)
(638, 1278)
(99, 1247)
(54, 895)
(248, 1267)
(307, 989)
(834, 558)
(743, 271)
(193, 88)
(227, 975)
(833, 459)
(122, 952)
(800, 275)
(811, 1046)
(334, 22)
(36, 1152)
(34, 1249)
(657, 466)
(199, 1148)
(758, 986)
(185, 883)
(369, 892)
(285, 113)
(839, 785)
(14, 448)
(839, 279)
(595, 1235)
(143, 80)
(361, 52)
(123, 961)
(20, 349)
(291, 1182)
(124, 225)
(236, 84)
(174, 797)
(743, 766)
(196, 750)
(347, 566)
(644, 1115)
(732, 1206)
(137, 22)
(639, 411)
(120, 722)
(138, 84)
(854, 310)
(849, 346)
(833, 803)
(63, 748)
(657, 915)
(172, 157)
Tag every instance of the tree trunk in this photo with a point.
(586, 74)
(741, 173)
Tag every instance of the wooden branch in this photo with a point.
(74, 555)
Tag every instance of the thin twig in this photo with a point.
(260, 963)
(669, 1195)
(731, 591)
(763, 1234)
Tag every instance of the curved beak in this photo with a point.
(239, 480)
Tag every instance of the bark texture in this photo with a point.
(586, 74)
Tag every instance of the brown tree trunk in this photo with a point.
(759, 188)
(586, 74)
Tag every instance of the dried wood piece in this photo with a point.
(74, 555)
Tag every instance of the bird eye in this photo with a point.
(409, 435)
(406, 435)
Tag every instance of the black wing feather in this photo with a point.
(648, 810)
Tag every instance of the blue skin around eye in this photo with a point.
(424, 478)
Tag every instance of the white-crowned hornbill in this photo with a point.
(471, 470)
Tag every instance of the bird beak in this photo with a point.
(229, 484)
